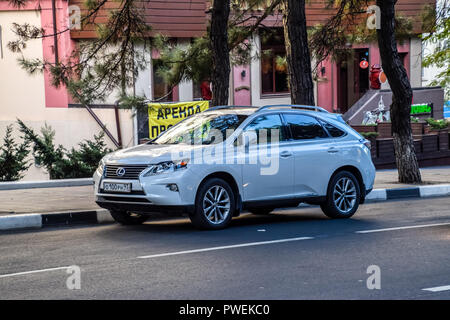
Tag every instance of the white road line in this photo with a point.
(438, 289)
(249, 244)
(403, 228)
(30, 272)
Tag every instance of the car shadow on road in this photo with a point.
(306, 221)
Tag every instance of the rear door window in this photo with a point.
(266, 128)
(304, 127)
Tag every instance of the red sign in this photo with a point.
(363, 64)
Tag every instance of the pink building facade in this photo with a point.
(338, 85)
(54, 97)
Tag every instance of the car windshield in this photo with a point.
(202, 128)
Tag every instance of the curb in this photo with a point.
(46, 184)
(36, 220)
(414, 192)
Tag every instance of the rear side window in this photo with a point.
(304, 127)
(333, 131)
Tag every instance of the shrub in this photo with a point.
(369, 135)
(437, 124)
(63, 164)
(13, 156)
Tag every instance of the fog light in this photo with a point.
(172, 187)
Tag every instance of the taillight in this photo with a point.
(366, 143)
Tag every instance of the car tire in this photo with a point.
(343, 196)
(260, 211)
(127, 218)
(215, 205)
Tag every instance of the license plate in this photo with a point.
(117, 187)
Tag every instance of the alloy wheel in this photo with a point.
(344, 195)
(216, 204)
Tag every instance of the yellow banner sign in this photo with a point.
(162, 116)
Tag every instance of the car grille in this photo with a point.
(131, 171)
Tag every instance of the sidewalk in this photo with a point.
(62, 199)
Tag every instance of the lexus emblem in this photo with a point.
(120, 172)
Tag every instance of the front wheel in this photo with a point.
(127, 218)
(214, 205)
(343, 196)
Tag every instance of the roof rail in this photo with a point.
(293, 106)
(228, 107)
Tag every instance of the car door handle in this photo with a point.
(333, 150)
(285, 154)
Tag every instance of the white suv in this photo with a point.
(217, 163)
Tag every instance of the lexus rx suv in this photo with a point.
(217, 163)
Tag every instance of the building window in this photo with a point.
(161, 90)
(196, 90)
(273, 67)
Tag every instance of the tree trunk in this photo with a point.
(405, 155)
(297, 52)
(220, 52)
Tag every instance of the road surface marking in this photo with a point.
(438, 289)
(249, 244)
(403, 228)
(30, 272)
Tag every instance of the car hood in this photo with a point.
(151, 153)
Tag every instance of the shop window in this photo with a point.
(273, 71)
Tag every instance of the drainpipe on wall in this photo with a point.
(55, 31)
(116, 113)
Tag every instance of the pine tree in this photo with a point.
(437, 23)
(60, 163)
(13, 158)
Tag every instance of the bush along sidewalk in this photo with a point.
(13, 157)
(59, 162)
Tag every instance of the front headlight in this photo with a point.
(166, 167)
(101, 167)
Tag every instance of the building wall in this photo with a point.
(23, 96)
(415, 62)
(241, 85)
(430, 73)
(327, 86)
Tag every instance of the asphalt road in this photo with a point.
(293, 254)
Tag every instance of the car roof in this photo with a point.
(285, 108)
(245, 110)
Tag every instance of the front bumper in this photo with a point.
(149, 194)
(143, 208)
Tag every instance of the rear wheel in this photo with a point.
(128, 218)
(214, 205)
(343, 196)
